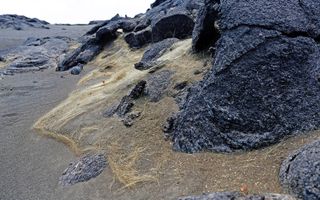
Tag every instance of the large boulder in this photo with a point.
(167, 19)
(238, 196)
(300, 172)
(205, 34)
(264, 83)
(149, 58)
(139, 39)
(174, 25)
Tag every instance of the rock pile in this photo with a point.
(166, 19)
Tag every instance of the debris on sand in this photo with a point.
(86, 168)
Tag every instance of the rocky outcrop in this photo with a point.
(155, 51)
(205, 34)
(82, 55)
(139, 39)
(173, 25)
(96, 39)
(264, 83)
(238, 196)
(165, 19)
(19, 22)
(300, 172)
(35, 54)
(86, 168)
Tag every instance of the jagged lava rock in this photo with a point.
(300, 172)
(264, 83)
(82, 55)
(86, 168)
(96, 39)
(139, 39)
(157, 83)
(177, 24)
(153, 52)
(126, 104)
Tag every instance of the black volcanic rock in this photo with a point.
(157, 84)
(35, 54)
(290, 17)
(86, 168)
(300, 172)
(122, 108)
(98, 37)
(153, 52)
(264, 83)
(139, 39)
(19, 22)
(85, 53)
(205, 34)
(238, 196)
(174, 25)
(162, 17)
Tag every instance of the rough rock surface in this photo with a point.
(96, 39)
(81, 55)
(86, 168)
(154, 52)
(264, 83)
(173, 25)
(238, 196)
(181, 12)
(35, 54)
(205, 34)
(300, 172)
(157, 83)
(127, 102)
(19, 22)
(139, 39)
